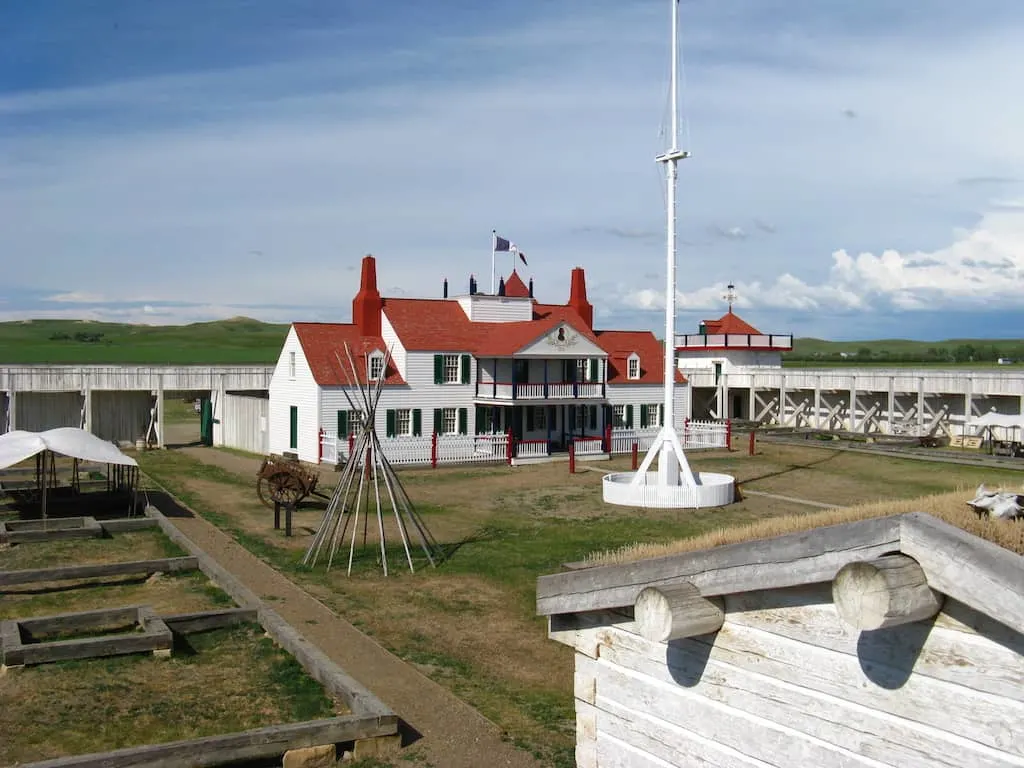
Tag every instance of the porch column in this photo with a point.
(494, 380)
(782, 400)
(546, 385)
(160, 421)
(968, 402)
(723, 411)
(752, 397)
(12, 419)
(920, 403)
(892, 403)
(852, 417)
(86, 404)
(817, 402)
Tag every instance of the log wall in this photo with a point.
(787, 682)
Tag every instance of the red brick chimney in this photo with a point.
(367, 305)
(578, 297)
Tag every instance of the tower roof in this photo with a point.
(730, 323)
(515, 287)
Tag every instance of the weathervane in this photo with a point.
(730, 295)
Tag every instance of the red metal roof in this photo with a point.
(621, 344)
(730, 323)
(323, 343)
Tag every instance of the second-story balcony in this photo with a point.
(507, 391)
(776, 342)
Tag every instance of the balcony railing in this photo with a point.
(552, 390)
(755, 341)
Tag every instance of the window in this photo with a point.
(539, 412)
(376, 366)
(293, 420)
(482, 422)
(291, 365)
(449, 421)
(451, 369)
(633, 367)
(582, 370)
(521, 371)
(619, 416)
(349, 423)
(650, 415)
(403, 422)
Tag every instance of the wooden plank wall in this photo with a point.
(786, 683)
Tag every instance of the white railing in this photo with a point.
(532, 449)
(588, 446)
(734, 340)
(419, 451)
(529, 392)
(535, 390)
(560, 391)
(695, 435)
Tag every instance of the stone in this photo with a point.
(322, 756)
(377, 746)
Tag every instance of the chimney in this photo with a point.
(367, 305)
(444, 289)
(531, 287)
(578, 297)
(472, 285)
(501, 286)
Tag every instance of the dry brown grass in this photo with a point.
(950, 507)
(133, 545)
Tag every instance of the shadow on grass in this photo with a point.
(793, 468)
(122, 582)
(167, 504)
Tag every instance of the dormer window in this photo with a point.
(376, 366)
(633, 366)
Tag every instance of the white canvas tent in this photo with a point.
(993, 419)
(74, 443)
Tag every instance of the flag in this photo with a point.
(501, 244)
(522, 257)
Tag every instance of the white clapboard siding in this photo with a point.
(636, 394)
(766, 694)
(393, 343)
(301, 391)
(39, 411)
(244, 423)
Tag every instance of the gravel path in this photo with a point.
(443, 731)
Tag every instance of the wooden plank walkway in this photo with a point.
(451, 733)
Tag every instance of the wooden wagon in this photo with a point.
(285, 480)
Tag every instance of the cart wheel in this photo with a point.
(286, 488)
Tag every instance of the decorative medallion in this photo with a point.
(561, 339)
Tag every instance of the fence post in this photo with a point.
(320, 445)
(509, 447)
(636, 451)
(572, 456)
(752, 439)
(607, 444)
(728, 434)
(433, 449)
(351, 445)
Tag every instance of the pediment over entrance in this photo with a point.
(561, 341)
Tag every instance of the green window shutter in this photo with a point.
(629, 416)
(417, 422)
(438, 421)
(465, 369)
(593, 417)
(463, 420)
(661, 415)
(643, 415)
(293, 416)
(342, 423)
(391, 424)
(439, 369)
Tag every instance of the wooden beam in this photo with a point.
(791, 560)
(885, 592)
(32, 575)
(257, 744)
(124, 524)
(200, 621)
(81, 620)
(968, 569)
(675, 611)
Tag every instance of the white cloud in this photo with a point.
(982, 268)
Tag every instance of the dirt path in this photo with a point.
(454, 735)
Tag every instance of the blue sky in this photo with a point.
(857, 168)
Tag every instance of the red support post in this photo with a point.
(728, 434)
(572, 457)
(607, 438)
(320, 445)
(433, 449)
(636, 454)
(752, 441)
(351, 445)
(509, 447)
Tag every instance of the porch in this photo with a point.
(523, 378)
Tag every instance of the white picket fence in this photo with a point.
(695, 435)
(588, 446)
(410, 451)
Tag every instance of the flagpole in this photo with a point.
(494, 245)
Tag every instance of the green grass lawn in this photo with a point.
(974, 353)
(239, 340)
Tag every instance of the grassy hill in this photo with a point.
(238, 340)
(903, 352)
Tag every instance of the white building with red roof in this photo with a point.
(724, 348)
(469, 365)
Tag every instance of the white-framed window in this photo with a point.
(650, 415)
(291, 365)
(449, 421)
(376, 366)
(451, 369)
(403, 421)
(582, 369)
(633, 367)
(619, 416)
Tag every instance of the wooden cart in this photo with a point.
(285, 480)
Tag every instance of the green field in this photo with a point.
(880, 352)
(239, 340)
(244, 340)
